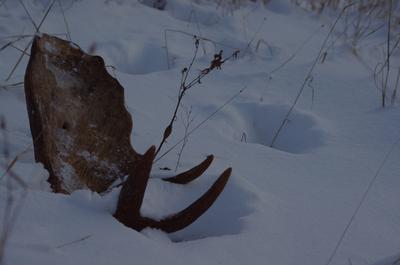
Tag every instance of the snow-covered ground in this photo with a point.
(284, 205)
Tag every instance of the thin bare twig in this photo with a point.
(65, 20)
(182, 89)
(396, 86)
(11, 85)
(186, 123)
(291, 57)
(393, 49)
(262, 41)
(216, 63)
(202, 123)
(166, 49)
(8, 44)
(254, 37)
(74, 241)
(384, 89)
(19, 49)
(194, 15)
(308, 76)
(23, 36)
(29, 15)
(12, 163)
(30, 42)
(244, 137)
(215, 43)
(12, 208)
(363, 198)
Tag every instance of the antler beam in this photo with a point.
(82, 134)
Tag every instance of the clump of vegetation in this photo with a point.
(373, 8)
(362, 19)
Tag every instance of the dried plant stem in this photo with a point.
(30, 42)
(23, 36)
(18, 49)
(187, 122)
(182, 89)
(65, 20)
(254, 37)
(384, 89)
(13, 206)
(11, 85)
(202, 39)
(194, 15)
(291, 57)
(10, 43)
(244, 137)
(166, 48)
(309, 75)
(29, 15)
(18, 61)
(216, 63)
(202, 123)
(266, 44)
(74, 241)
(396, 86)
(363, 198)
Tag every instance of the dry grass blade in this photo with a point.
(186, 123)
(364, 197)
(11, 85)
(19, 49)
(202, 123)
(215, 43)
(291, 57)
(216, 63)
(254, 37)
(396, 87)
(74, 242)
(30, 42)
(12, 163)
(384, 89)
(11, 213)
(9, 167)
(65, 20)
(29, 15)
(194, 15)
(18, 61)
(308, 76)
(12, 205)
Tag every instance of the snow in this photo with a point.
(284, 205)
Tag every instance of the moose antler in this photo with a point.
(132, 193)
(82, 130)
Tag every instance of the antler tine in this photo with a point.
(191, 174)
(132, 192)
(187, 216)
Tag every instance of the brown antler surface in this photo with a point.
(189, 215)
(82, 134)
(192, 174)
(132, 192)
(127, 212)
